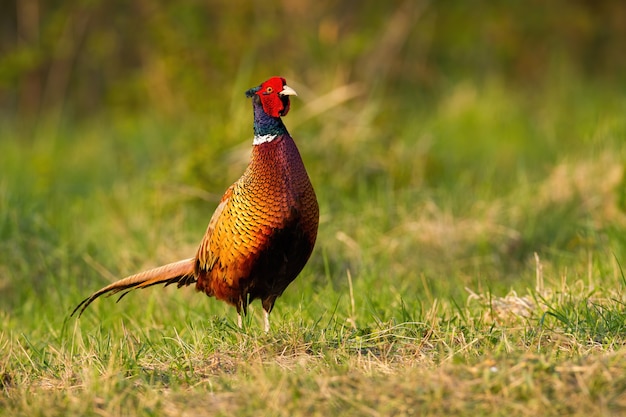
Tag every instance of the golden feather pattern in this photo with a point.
(274, 195)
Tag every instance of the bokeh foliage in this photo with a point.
(120, 56)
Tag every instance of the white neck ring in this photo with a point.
(259, 139)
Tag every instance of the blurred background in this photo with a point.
(448, 140)
(89, 58)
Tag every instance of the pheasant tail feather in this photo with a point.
(181, 273)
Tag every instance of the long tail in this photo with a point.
(181, 273)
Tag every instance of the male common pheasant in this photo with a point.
(264, 228)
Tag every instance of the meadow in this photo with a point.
(470, 259)
(471, 256)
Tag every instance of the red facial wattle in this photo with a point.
(274, 95)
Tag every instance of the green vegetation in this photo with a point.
(472, 248)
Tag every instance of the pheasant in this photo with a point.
(262, 232)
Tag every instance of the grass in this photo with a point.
(470, 261)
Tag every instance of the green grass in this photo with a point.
(468, 262)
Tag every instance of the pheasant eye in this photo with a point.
(269, 90)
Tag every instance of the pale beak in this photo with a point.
(288, 91)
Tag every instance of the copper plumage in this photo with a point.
(264, 229)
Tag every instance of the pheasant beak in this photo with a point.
(288, 91)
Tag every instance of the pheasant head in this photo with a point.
(270, 101)
(273, 95)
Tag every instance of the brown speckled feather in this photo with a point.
(272, 208)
